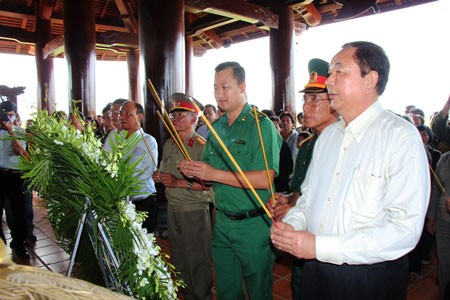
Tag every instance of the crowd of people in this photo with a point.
(356, 193)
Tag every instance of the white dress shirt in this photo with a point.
(366, 191)
(8, 158)
(145, 168)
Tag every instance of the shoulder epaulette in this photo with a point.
(260, 114)
(199, 139)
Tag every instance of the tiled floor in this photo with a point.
(47, 254)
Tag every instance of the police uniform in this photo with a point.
(188, 217)
(241, 246)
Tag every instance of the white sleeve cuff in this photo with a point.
(295, 218)
(328, 249)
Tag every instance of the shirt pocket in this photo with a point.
(239, 148)
(366, 194)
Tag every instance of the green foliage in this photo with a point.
(67, 167)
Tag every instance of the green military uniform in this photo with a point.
(318, 74)
(304, 157)
(189, 223)
(302, 163)
(241, 247)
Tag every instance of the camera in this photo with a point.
(4, 116)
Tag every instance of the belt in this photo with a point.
(245, 215)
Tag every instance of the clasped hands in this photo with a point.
(197, 169)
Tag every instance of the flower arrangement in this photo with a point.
(66, 167)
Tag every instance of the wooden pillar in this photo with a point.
(79, 47)
(161, 47)
(44, 67)
(282, 59)
(189, 73)
(133, 71)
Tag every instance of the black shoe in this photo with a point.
(21, 251)
(31, 239)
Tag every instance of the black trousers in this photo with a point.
(148, 205)
(12, 190)
(381, 281)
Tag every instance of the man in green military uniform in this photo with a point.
(318, 114)
(241, 247)
(188, 218)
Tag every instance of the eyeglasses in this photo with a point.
(180, 115)
(313, 100)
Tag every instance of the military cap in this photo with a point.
(181, 101)
(318, 73)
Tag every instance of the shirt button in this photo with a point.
(329, 199)
(337, 173)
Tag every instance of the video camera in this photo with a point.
(4, 116)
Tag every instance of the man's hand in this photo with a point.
(301, 244)
(279, 207)
(430, 225)
(196, 169)
(8, 126)
(168, 180)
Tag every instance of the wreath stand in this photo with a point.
(99, 237)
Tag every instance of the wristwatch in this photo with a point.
(189, 184)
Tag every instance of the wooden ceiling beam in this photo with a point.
(201, 25)
(104, 9)
(112, 39)
(54, 47)
(17, 34)
(235, 9)
(127, 14)
(211, 38)
(98, 27)
(45, 9)
(103, 39)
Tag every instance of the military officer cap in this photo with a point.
(318, 73)
(181, 101)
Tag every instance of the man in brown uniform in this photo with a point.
(188, 217)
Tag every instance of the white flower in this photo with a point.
(58, 142)
(143, 282)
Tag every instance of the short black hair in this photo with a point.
(371, 57)
(427, 129)
(120, 101)
(418, 111)
(268, 112)
(276, 119)
(212, 106)
(238, 70)
(287, 113)
(107, 108)
(8, 106)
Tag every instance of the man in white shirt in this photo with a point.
(131, 116)
(366, 191)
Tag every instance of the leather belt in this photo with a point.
(245, 215)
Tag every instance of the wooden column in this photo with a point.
(44, 67)
(282, 59)
(133, 71)
(161, 47)
(189, 73)
(79, 47)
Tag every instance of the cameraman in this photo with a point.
(10, 177)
